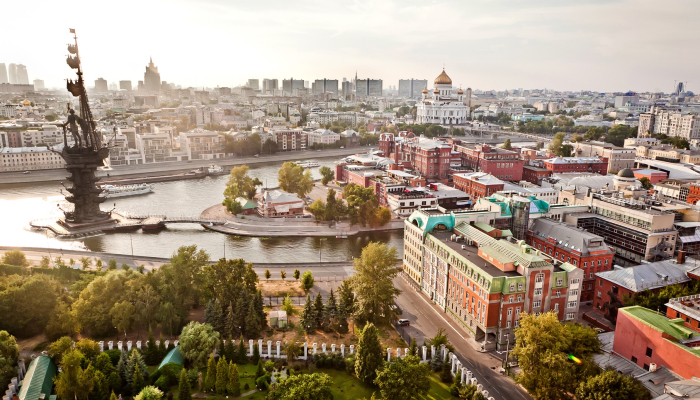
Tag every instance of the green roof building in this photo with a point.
(174, 356)
(38, 381)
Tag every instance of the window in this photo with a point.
(512, 287)
(634, 359)
(538, 292)
(600, 283)
(520, 298)
(598, 294)
(520, 286)
(560, 281)
(511, 298)
(508, 324)
(585, 264)
(556, 307)
(510, 312)
(539, 277)
(571, 304)
(648, 352)
(536, 303)
(556, 254)
(570, 315)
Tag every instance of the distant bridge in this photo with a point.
(159, 221)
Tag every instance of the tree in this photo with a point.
(307, 281)
(134, 362)
(466, 392)
(283, 274)
(318, 210)
(152, 352)
(446, 373)
(255, 359)
(29, 312)
(308, 316)
(296, 274)
(253, 324)
(611, 385)
(342, 316)
(556, 144)
(507, 144)
(373, 283)
(74, 381)
(242, 353)
(259, 370)
(293, 179)
(267, 274)
(58, 348)
(222, 378)
(439, 339)
(478, 396)
(293, 350)
(15, 257)
(103, 363)
(122, 314)
(85, 261)
(240, 184)
(345, 293)
(197, 341)
(9, 355)
(150, 393)
(45, 262)
(184, 386)
(413, 348)
(327, 175)
(98, 264)
(403, 378)
(362, 204)
(287, 306)
(546, 369)
(169, 318)
(316, 386)
(137, 382)
(646, 183)
(210, 382)
(234, 381)
(89, 348)
(369, 354)
(101, 388)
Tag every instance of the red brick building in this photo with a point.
(566, 243)
(686, 308)
(431, 158)
(504, 164)
(651, 340)
(612, 286)
(693, 193)
(561, 165)
(477, 184)
(534, 174)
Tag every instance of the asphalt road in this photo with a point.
(425, 322)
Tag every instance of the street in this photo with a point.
(425, 321)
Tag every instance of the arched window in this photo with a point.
(539, 277)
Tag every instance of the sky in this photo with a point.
(599, 45)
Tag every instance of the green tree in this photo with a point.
(242, 353)
(103, 363)
(135, 361)
(507, 144)
(197, 341)
(293, 179)
(283, 274)
(98, 264)
(446, 373)
(253, 323)
(137, 382)
(149, 393)
(74, 381)
(539, 348)
(307, 281)
(403, 378)
(287, 306)
(413, 348)
(556, 144)
(89, 348)
(112, 265)
(60, 347)
(210, 382)
(259, 370)
(612, 385)
(267, 274)
(646, 183)
(362, 204)
(29, 312)
(316, 386)
(370, 356)
(168, 317)
(293, 350)
(222, 378)
(122, 316)
(327, 175)
(9, 355)
(101, 388)
(296, 274)
(318, 210)
(85, 261)
(593, 133)
(234, 381)
(308, 316)
(373, 284)
(478, 396)
(318, 310)
(15, 257)
(241, 184)
(255, 359)
(152, 352)
(45, 262)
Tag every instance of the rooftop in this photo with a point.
(569, 237)
(574, 160)
(38, 380)
(650, 275)
(481, 177)
(688, 305)
(471, 253)
(659, 322)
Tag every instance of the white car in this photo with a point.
(26, 172)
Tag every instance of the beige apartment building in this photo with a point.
(29, 159)
(199, 144)
(672, 123)
(666, 152)
(619, 158)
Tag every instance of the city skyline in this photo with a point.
(485, 45)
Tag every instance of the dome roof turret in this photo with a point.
(443, 79)
(626, 173)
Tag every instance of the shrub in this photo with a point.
(350, 364)
(269, 366)
(247, 386)
(262, 382)
(169, 374)
(114, 356)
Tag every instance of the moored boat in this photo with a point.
(111, 191)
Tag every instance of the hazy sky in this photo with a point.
(604, 45)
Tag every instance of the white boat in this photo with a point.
(215, 170)
(126, 190)
(307, 164)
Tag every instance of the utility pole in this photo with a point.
(131, 240)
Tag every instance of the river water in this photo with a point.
(20, 204)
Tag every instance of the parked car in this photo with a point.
(26, 172)
(404, 322)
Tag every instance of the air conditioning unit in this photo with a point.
(652, 367)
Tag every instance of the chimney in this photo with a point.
(681, 257)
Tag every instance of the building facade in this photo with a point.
(504, 164)
(534, 174)
(289, 139)
(564, 165)
(151, 79)
(369, 87)
(200, 144)
(30, 159)
(477, 184)
(412, 88)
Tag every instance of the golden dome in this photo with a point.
(425, 90)
(443, 79)
(26, 103)
(436, 91)
(460, 91)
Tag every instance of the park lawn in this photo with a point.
(346, 386)
(438, 390)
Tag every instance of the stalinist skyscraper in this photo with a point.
(151, 79)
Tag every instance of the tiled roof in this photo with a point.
(649, 276)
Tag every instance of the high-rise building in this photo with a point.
(151, 78)
(254, 84)
(12, 73)
(270, 85)
(125, 85)
(412, 88)
(39, 84)
(3, 73)
(22, 77)
(288, 85)
(347, 89)
(101, 85)
(368, 87)
(325, 86)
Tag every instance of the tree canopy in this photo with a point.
(404, 378)
(197, 341)
(316, 386)
(293, 179)
(373, 283)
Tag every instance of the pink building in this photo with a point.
(651, 340)
(654, 176)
